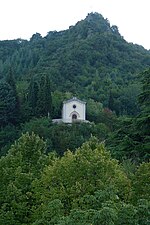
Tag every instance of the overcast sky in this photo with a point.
(23, 18)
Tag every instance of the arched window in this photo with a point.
(74, 116)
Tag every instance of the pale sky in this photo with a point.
(23, 18)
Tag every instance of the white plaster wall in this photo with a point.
(68, 110)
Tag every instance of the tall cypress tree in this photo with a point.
(142, 122)
(144, 97)
(8, 112)
(11, 81)
(111, 101)
(33, 95)
(44, 104)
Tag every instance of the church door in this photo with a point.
(74, 117)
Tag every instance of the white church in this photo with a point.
(74, 110)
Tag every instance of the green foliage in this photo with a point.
(132, 139)
(57, 103)
(60, 137)
(11, 81)
(83, 185)
(88, 187)
(143, 119)
(89, 169)
(23, 163)
(8, 105)
(8, 135)
(144, 97)
(94, 110)
(52, 213)
(39, 126)
(90, 59)
(33, 95)
(44, 102)
(26, 111)
(143, 211)
(141, 182)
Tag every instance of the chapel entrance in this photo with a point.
(74, 117)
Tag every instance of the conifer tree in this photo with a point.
(33, 95)
(44, 104)
(8, 103)
(11, 81)
(142, 122)
(111, 101)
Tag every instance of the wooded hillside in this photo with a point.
(81, 173)
(91, 59)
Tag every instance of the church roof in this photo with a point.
(74, 99)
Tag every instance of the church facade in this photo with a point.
(74, 110)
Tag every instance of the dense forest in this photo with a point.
(81, 173)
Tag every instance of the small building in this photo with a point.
(74, 110)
